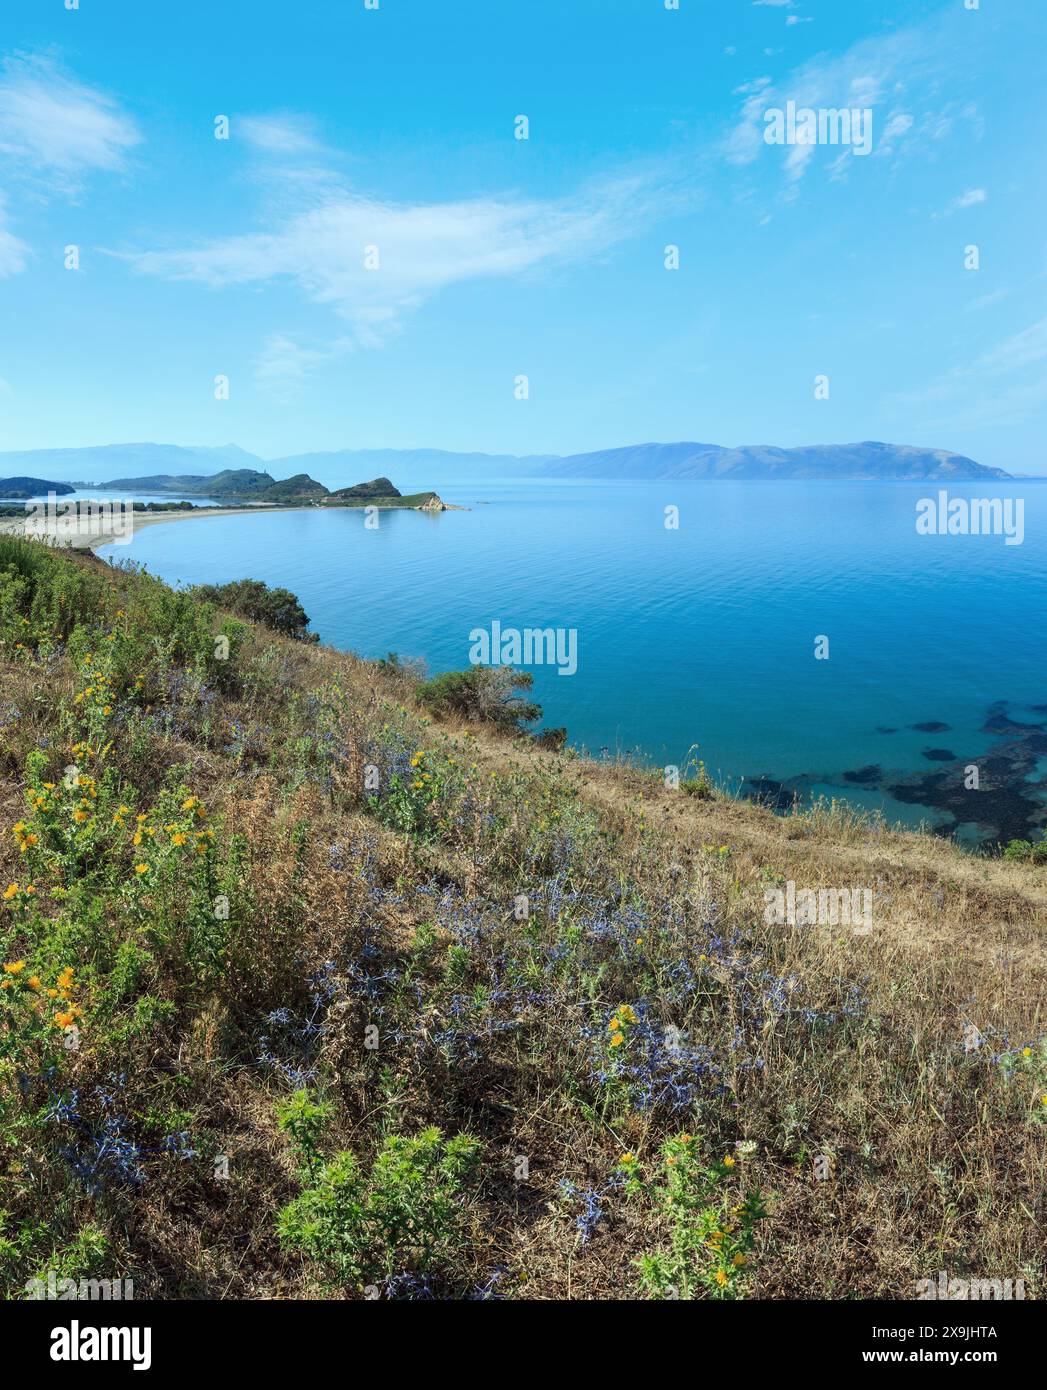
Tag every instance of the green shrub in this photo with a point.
(487, 694)
(1025, 852)
(278, 609)
(304, 1119)
(710, 1234)
(407, 1215)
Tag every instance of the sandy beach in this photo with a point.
(75, 534)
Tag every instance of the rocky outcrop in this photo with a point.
(378, 487)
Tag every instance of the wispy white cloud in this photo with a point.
(985, 301)
(279, 135)
(970, 199)
(54, 131)
(1006, 384)
(51, 123)
(14, 253)
(283, 364)
(374, 261)
(900, 75)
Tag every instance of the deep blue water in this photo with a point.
(699, 636)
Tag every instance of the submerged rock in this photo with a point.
(872, 772)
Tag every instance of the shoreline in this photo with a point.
(70, 537)
(1009, 810)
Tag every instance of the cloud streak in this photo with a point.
(899, 75)
(373, 261)
(1004, 385)
(50, 122)
(14, 253)
(279, 135)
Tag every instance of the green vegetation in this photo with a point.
(317, 978)
(376, 488)
(300, 488)
(250, 487)
(404, 1221)
(31, 487)
(709, 1241)
(229, 483)
(277, 609)
(413, 500)
(490, 695)
(1027, 851)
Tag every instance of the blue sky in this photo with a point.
(353, 127)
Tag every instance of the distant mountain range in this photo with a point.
(871, 461)
(104, 461)
(171, 467)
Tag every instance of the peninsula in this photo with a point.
(240, 486)
(233, 492)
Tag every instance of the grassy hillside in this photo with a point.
(345, 498)
(306, 994)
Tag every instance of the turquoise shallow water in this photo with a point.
(702, 635)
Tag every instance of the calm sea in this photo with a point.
(706, 634)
